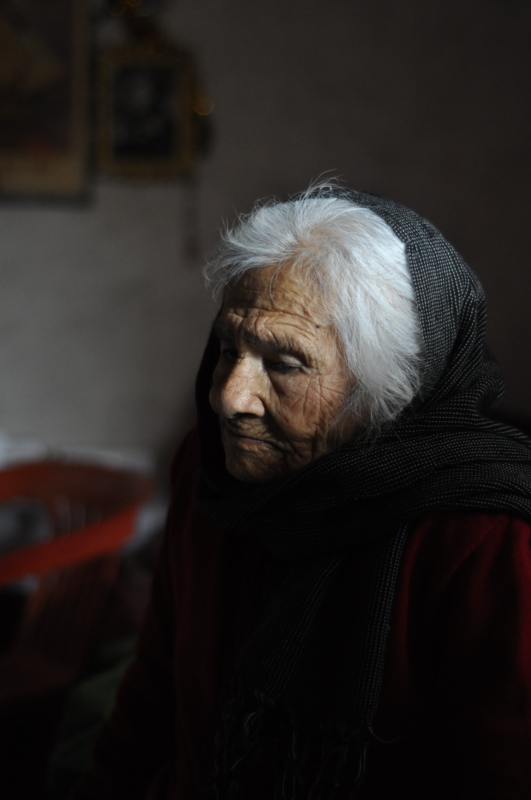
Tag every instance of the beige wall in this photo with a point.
(103, 319)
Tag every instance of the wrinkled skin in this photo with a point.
(280, 384)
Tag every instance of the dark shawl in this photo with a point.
(315, 659)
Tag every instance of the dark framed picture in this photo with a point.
(146, 100)
(44, 98)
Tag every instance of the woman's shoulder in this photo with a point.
(474, 525)
(463, 560)
(452, 538)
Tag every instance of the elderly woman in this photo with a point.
(341, 603)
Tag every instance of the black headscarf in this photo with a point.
(316, 656)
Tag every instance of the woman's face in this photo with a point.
(280, 383)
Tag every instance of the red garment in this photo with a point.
(456, 694)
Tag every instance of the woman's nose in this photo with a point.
(239, 390)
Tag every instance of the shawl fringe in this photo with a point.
(305, 758)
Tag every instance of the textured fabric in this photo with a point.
(317, 653)
(455, 705)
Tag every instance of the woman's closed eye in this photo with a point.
(282, 366)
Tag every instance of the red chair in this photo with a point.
(93, 510)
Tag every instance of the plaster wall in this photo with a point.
(103, 318)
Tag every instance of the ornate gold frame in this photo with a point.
(147, 56)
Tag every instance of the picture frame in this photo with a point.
(44, 99)
(146, 97)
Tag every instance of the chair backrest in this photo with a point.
(92, 508)
(93, 512)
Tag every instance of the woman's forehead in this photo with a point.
(276, 292)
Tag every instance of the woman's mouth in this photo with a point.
(248, 438)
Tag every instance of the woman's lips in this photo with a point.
(245, 438)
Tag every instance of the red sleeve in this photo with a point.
(134, 752)
(457, 686)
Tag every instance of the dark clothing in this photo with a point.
(310, 674)
(456, 694)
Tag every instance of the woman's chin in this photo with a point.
(248, 469)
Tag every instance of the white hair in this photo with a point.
(360, 268)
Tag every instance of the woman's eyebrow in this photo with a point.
(281, 344)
